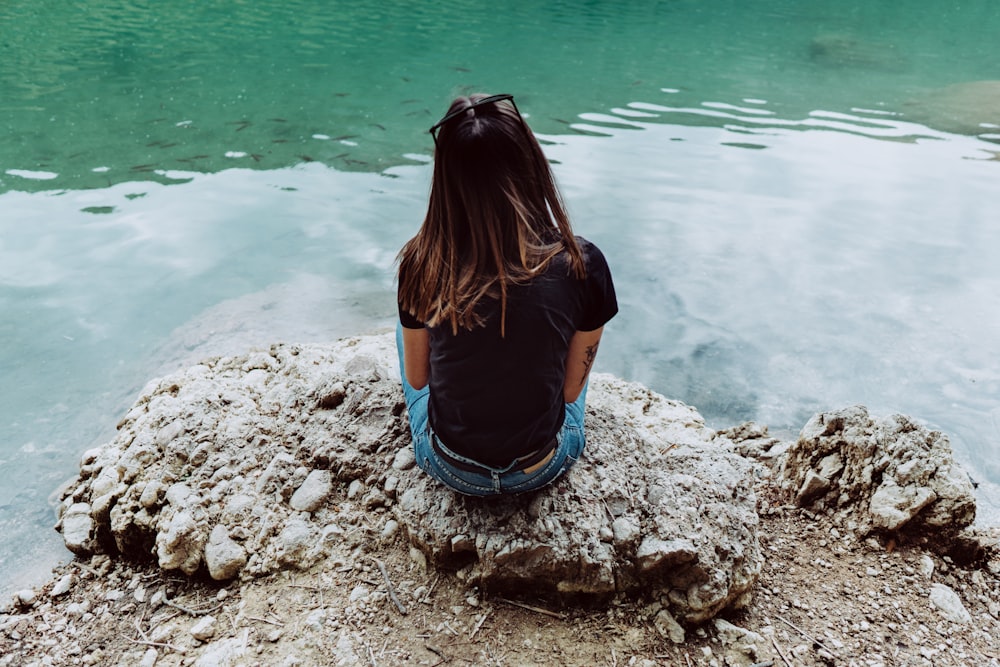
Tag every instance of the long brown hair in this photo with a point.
(495, 218)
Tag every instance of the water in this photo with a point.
(796, 220)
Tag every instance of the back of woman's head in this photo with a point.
(495, 217)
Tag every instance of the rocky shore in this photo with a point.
(265, 509)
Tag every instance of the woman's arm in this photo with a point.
(579, 359)
(417, 357)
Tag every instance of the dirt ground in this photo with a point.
(824, 597)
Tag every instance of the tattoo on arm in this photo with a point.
(589, 354)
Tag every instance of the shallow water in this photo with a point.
(790, 232)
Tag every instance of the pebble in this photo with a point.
(354, 489)
(148, 658)
(25, 598)
(390, 529)
(62, 586)
(204, 629)
(949, 604)
(925, 565)
(359, 594)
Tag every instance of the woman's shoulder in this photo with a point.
(591, 253)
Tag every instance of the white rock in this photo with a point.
(404, 459)
(148, 658)
(390, 529)
(359, 594)
(668, 627)
(78, 528)
(949, 604)
(925, 565)
(204, 629)
(313, 492)
(354, 489)
(62, 586)
(25, 597)
(224, 557)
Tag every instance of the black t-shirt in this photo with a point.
(496, 399)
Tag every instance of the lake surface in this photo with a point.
(796, 206)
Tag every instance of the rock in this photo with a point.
(846, 51)
(313, 492)
(62, 586)
(77, 529)
(25, 598)
(226, 652)
(894, 474)
(925, 565)
(223, 556)
(658, 503)
(740, 646)
(682, 514)
(971, 107)
(945, 600)
(668, 627)
(148, 658)
(204, 628)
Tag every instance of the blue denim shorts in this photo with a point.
(488, 481)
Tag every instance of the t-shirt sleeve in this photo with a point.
(409, 321)
(405, 318)
(600, 302)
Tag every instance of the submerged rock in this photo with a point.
(245, 465)
(971, 107)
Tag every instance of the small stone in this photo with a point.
(359, 594)
(390, 529)
(949, 604)
(472, 601)
(405, 459)
(418, 557)
(223, 556)
(204, 629)
(139, 594)
(77, 609)
(25, 598)
(156, 599)
(148, 658)
(310, 496)
(669, 628)
(62, 586)
(78, 528)
(925, 565)
(354, 489)
(391, 485)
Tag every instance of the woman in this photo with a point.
(501, 310)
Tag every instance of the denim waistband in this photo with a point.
(469, 465)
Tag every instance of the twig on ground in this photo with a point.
(190, 612)
(371, 655)
(479, 624)
(178, 649)
(388, 585)
(537, 610)
(778, 649)
(427, 596)
(766, 663)
(687, 659)
(265, 620)
(438, 652)
(804, 634)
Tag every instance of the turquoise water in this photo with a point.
(797, 211)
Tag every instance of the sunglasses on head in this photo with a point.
(492, 99)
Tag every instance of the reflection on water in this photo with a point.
(793, 225)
